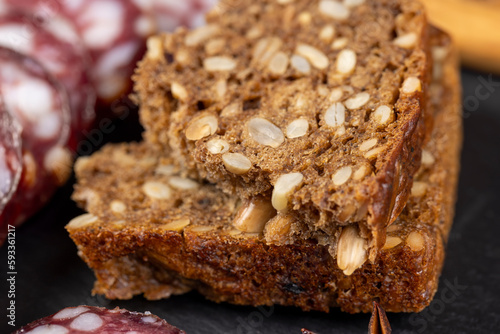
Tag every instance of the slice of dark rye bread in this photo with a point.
(151, 231)
(317, 105)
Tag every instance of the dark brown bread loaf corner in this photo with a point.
(313, 104)
(151, 231)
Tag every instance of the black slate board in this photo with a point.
(50, 276)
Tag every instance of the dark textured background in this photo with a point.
(51, 276)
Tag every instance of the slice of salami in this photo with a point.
(39, 103)
(91, 319)
(10, 156)
(57, 48)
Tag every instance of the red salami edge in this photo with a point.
(91, 319)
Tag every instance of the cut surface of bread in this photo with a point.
(152, 231)
(318, 106)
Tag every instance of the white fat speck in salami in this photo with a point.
(63, 30)
(70, 312)
(101, 320)
(16, 36)
(96, 17)
(71, 5)
(87, 322)
(148, 319)
(58, 162)
(119, 56)
(47, 126)
(145, 26)
(34, 98)
(109, 65)
(49, 329)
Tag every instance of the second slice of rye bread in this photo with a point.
(315, 107)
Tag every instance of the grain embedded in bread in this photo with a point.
(317, 105)
(149, 240)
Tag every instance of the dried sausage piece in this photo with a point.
(90, 319)
(39, 103)
(57, 46)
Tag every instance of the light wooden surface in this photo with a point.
(475, 27)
